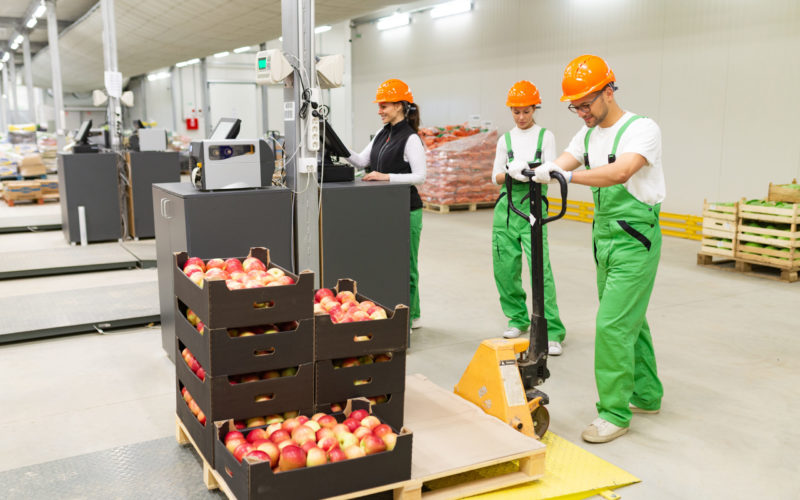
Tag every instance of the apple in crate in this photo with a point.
(316, 456)
(201, 417)
(279, 436)
(194, 261)
(232, 444)
(197, 278)
(361, 432)
(372, 444)
(303, 434)
(390, 439)
(257, 456)
(370, 422)
(354, 451)
(270, 449)
(241, 450)
(252, 263)
(328, 442)
(292, 457)
(217, 274)
(233, 264)
(359, 414)
(381, 430)
(257, 434)
(192, 317)
(336, 454)
(321, 293)
(276, 272)
(345, 296)
(327, 421)
(347, 439)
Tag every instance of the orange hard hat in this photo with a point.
(393, 90)
(523, 94)
(584, 75)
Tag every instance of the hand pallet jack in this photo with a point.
(503, 376)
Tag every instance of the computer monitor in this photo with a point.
(82, 135)
(227, 128)
(333, 145)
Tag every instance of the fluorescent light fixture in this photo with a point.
(18, 40)
(157, 76)
(241, 49)
(2, 65)
(31, 22)
(222, 54)
(451, 8)
(14, 46)
(322, 29)
(187, 63)
(6, 55)
(40, 10)
(393, 21)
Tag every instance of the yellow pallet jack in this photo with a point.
(503, 376)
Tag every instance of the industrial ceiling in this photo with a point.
(153, 34)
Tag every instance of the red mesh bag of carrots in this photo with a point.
(459, 166)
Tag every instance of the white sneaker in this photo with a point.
(554, 348)
(636, 409)
(513, 332)
(416, 323)
(602, 431)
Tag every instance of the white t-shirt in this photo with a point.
(643, 136)
(413, 153)
(523, 144)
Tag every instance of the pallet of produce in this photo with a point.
(789, 193)
(719, 229)
(768, 233)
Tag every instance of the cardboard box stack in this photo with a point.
(261, 354)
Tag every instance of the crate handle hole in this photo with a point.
(362, 338)
(265, 352)
(264, 305)
(264, 397)
(363, 381)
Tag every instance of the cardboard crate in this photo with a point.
(202, 435)
(255, 481)
(337, 385)
(784, 192)
(719, 229)
(49, 186)
(220, 354)
(219, 307)
(32, 166)
(343, 340)
(23, 191)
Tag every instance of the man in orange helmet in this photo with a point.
(622, 155)
(511, 234)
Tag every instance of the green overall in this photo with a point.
(626, 240)
(511, 235)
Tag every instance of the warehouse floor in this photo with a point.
(726, 345)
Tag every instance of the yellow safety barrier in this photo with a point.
(683, 226)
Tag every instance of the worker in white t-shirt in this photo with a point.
(511, 234)
(622, 155)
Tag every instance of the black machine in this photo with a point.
(329, 170)
(81, 138)
(533, 362)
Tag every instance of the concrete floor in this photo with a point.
(726, 345)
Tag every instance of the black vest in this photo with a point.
(387, 154)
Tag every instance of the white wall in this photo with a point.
(718, 76)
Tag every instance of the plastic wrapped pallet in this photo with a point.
(460, 171)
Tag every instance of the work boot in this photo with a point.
(513, 332)
(602, 431)
(554, 348)
(636, 409)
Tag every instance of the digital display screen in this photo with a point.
(262, 63)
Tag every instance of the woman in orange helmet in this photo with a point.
(396, 154)
(511, 234)
(622, 155)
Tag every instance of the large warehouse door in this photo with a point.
(235, 100)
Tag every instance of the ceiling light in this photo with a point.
(393, 21)
(2, 65)
(31, 22)
(6, 55)
(40, 10)
(187, 63)
(241, 49)
(322, 29)
(157, 76)
(222, 54)
(451, 8)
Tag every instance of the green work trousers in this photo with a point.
(415, 231)
(511, 235)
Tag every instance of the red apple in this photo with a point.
(239, 425)
(256, 434)
(290, 414)
(274, 426)
(361, 432)
(288, 442)
(233, 285)
(360, 315)
(302, 419)
(280, 435)
(185, 394)
(200, 327)
(316, 456)
(255, 422)
(276, 272)
(197, 278)
(234, 443)
(233, 264)
(270, 449)
(381, 430)
(194, 261)
(201, 374)
(336, 407)
(217, 274)
(354, 451)
(327, 421)
(328, 442)
(314, 425)
(351, 423)
(322, 292)
(317, 416)
(370, 422)
(365, 305)
(192, 317)
(372, 444)
(194, 407)
(191, 269)
(256, 456)
(347, 439)
(378, 314)
(250, 377)
(308, 445)
(241, 450)
(303, 433)
(325, 432)
(271, 419)
(339, 429)
(285, 280)
(359, 414)
(290, 424)
(292, 457)
(233, 434)
(345, 296)
(252, 263)
(288, 325)
(237, 274)
(336, 454)
(389, 440)
(318, 309)
(289, 372)
(380, 358)
(201, 417)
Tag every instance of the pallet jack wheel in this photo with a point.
(541, 420)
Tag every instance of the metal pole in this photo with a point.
(297, 24)
(55, 67)
(173, 90)
(12, 89)
(264, 101)
(26, 55)
(110, 58)
(205, 106)
(4, 100)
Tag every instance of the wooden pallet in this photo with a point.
(749, 268)
(211, 478)
(11, 203)
(443, 209)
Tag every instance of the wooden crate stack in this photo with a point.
(769, 235)
(719, 229)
